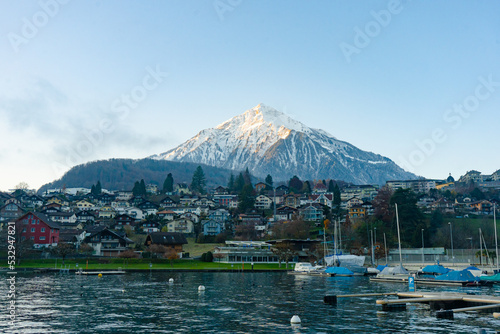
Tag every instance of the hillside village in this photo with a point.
(114, 222)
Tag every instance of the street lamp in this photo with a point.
(451, 236)
(471, 251)
(385, 248)
(422, 247)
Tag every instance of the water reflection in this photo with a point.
(231, 303)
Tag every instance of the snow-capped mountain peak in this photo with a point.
(267, 141)
(263, 116)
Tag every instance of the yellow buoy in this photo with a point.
(100, 275)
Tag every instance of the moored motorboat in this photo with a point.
(306, 268)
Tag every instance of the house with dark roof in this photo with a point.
(168, 239)
(85, 216)
(11, 211)
(124, 220)
(148, 207)
(168, 202)
(108, 243)
(220, 190)
(39, 228)
(284, 213)
(72, 236)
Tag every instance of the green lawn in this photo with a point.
(143, 264)
(195, 250)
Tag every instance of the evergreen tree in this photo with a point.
(336, 195)
(240, 182)
(98, 188)
(331, 186)
(246, 199)
(411, 218)
(136, 191)
(247, 177)
(92, 190)
(198, 181)
(230, 184)
(477, 194)
(269, 182)
(295, 185)
(436, 222)
(143, 187)
(306, 187)
(168, 184)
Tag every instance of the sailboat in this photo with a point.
(398, 273)
(495, 278)
(339, 264)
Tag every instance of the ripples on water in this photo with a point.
(232, 303)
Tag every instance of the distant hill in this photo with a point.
(121, 174)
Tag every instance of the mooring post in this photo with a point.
(393, 307)
(332, 300)
(444, 314)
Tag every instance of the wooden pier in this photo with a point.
(445, 304)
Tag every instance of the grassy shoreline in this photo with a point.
(144, 264)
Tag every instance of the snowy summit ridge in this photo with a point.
(267, 141)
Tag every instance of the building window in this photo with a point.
(41, 238)
(43, 229)
(32, 238)
(32, 229)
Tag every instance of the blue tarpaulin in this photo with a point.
(435, 269)
(340, 271)
(472, 268)
(457, 275)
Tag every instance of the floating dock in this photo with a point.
(427, 281)
(110, 272)
(445, 304)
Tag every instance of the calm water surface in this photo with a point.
(231, 303)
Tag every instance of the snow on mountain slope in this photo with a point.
(267, 141)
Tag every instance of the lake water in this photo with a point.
(231, 303)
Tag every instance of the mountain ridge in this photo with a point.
(266, 141)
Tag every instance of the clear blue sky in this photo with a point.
(87, 80)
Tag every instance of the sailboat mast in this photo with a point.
(340, 237)
(495, 224)
(335, 236)
(324, 243)
(480, 247)
(399, 237)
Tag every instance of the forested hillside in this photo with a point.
(120, 174)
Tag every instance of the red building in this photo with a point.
(38, 228)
